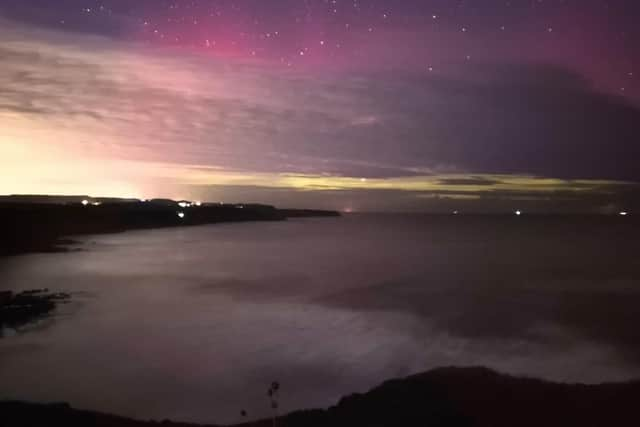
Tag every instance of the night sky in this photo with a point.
(357, 105)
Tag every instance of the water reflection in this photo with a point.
(194, 323)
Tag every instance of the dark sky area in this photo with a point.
(478, 105)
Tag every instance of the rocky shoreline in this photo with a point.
(19, 309)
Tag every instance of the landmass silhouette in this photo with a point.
(445, 397)
(34, 223)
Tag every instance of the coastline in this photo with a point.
(461, 397)
(43, 226)
(46, 224)
(443, 397)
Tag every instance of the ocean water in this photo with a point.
(195, 323)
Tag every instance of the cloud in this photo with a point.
(116, 115)
(474, 181)
(38, 13)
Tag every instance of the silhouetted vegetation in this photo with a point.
(273, 398)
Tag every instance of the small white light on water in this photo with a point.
(623, 213)
(181, 215)
(518, 213)
(85, 202)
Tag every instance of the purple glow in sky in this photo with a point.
(369, 104)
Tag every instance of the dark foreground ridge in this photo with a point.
(38, 223)
(456, 397)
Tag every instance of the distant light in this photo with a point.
(455, 212)
(143, 200)
(184, 204)
(85, 202)
(96, 203)
(623, 213)
(518, 213)
(181, 215)
(198, 203)
(240, 206)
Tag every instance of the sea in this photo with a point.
(195, 323)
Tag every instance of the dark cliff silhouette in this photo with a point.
(37, 223)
